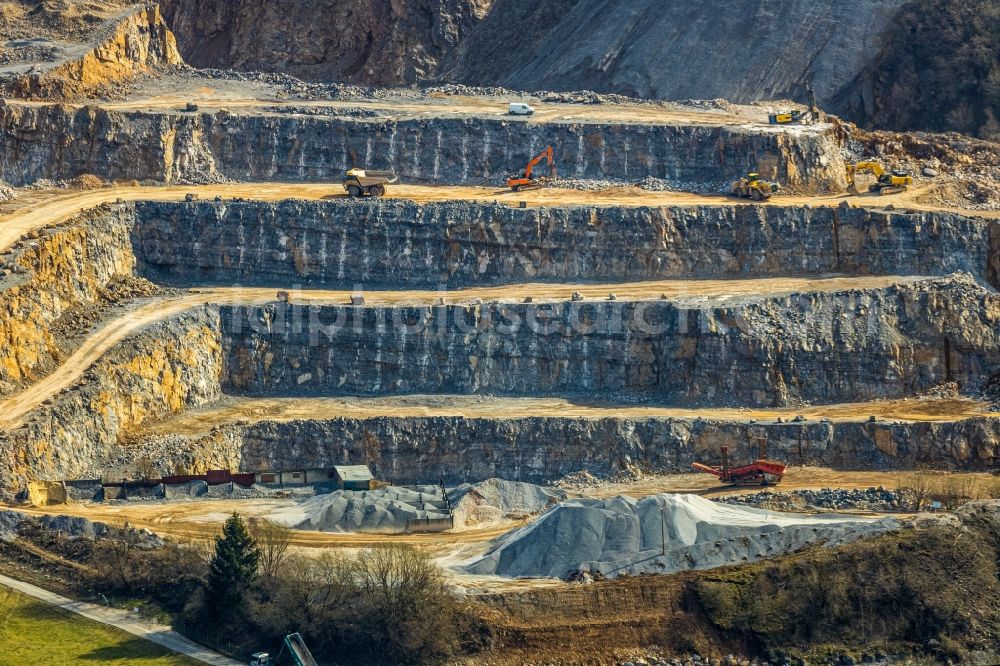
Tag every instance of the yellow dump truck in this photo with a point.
(365, 182)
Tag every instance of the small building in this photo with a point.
(318, 475)
(353, 477)
(293, 478)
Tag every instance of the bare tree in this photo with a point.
(122, 548)
(918, 486)
(273, 541)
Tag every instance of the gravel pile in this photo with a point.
(585, 538)
(236, 491)
(457, 89)
(325, 111)
(872, 499)
(496, 500)
(551, 97)
(583, 480)
(185, 490)
(387, 510)
(650, 184)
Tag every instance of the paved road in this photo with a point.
(155, 633)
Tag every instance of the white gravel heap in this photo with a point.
(386, 510)
(496, 500)
(622, 536)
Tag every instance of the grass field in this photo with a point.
(32, 632)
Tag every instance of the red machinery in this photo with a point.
(762, 471)
(526, 180)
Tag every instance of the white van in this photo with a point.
(520, 109)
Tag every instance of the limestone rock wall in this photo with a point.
(741, 50)
(402, 244)
(540, 450)
(823, 347)
(375, 42)
(60, 142)
(138, 42)
(164, 369)
(49, 273)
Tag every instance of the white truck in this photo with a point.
(520, 109)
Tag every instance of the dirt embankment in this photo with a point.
(373, 42)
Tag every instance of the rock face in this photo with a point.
(374, 42)
(60, 143)
(839, 347)
(135, 43)
(401, 244)
(541, 450)
(778, 350)
(56, 271)
(743, 51)
(162, 370)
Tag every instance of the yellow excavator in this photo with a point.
(886, 182)
(753, 187)
(788, 117)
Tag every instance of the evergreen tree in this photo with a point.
(234, 566)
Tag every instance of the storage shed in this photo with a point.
(353, 477)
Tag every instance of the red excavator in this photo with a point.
(527, 181)
(762, 471)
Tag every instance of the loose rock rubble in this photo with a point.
(12, 523)
(873, 499)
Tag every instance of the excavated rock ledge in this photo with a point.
(163, 369)
(49, 273)
(748, 351)
(397, 243)
(846, 346)
(138, 42)
(541, 450)
(189, 361)
(59, 142)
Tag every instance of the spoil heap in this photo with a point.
(660, 534)
(496, 500)
(385, 510)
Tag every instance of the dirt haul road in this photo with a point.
(149, 311)
(253, 410)
(406, 107)
(202, 520)
(39, 210)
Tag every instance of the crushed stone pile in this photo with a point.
(839, 499)
(583, 538)
(649, 183)
(496, 500)
(387, 510)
